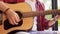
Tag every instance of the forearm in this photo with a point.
(3, 7)
(53, 20)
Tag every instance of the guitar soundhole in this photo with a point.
(7, 25)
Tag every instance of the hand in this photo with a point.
(12, 17)
(53, 20)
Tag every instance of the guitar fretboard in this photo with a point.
(47, 12)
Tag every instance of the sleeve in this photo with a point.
(39, 6)
(46, 24)
(12, 1)
(20, 0)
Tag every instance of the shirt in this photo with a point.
(13, 1)
(42, 22)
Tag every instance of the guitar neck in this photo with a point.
(41, 13)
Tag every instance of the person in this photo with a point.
(14, 18)
(41, 21)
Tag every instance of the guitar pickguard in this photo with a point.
(7, 25)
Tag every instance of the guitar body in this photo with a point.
(27, 23)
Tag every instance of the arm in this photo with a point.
(3, 7)
(49, 23)
(11, 15)
(53, 20)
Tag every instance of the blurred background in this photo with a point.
(49, 4)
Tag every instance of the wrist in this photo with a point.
(7, 11)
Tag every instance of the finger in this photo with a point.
(17, 18)
(13, 19)
(10, 21)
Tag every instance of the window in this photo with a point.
(58, 20)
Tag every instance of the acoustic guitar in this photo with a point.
(26, 14)
(24, 24)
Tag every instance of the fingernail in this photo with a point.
(16, 23)
(19, 20)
